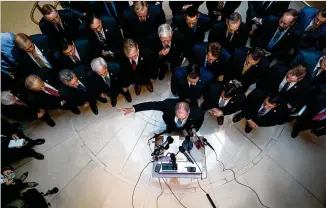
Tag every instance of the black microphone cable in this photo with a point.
(174, 194)
(133, 192)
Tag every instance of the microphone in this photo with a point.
(173, 161)
(183, 151)
(165, 145)
(207, 143)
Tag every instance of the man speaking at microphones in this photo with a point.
(177, 115)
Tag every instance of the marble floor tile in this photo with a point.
(302, 159)
(165, 200)
(197, 199)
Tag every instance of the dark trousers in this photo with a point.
(317, 127)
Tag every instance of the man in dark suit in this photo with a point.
(221, 101)
(105, 37)
(310, 30)
(275, 36)
(192, 24)
(190, 82)
(259, 11)
(261, 110)
(45, 86)
(178, 7)
(106, 80)
(288, 83)
(138, 67)
(315, 62)
(247, 66)
(19, 110)
(60, 26)
(34, 53)
(231, 33)
(213, 57)
(169, 49)
(141, 21)
(314, 117)
(177, 115)
(111, 8)
(220, 10)
(77, 90)
(72, 55)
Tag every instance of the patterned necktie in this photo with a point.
(314, 74)
(60, 28)
(179, 123)
(228, 38)
(19, 102)
(275, 38)
(76, 59)
(262, 112)
(38, 59)
(107, 81)
(319, 116)
(311, 28)
(245, 68)
(285, 87)
(81, 88)
(102, 38)
(133, 65)
(220, 5)
(222, 103)
(52, 91)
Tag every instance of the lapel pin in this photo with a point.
(141, 58)
(47, 80)
(295, 86)
(106, 30)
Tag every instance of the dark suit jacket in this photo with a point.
(19, 112)
(313, 39)
(218, 34)
(263, 35)
(112, 35)
(212, 99)
(141, 31)
(176, 6)
(256, 9)
(98, 7)
(145, 70)
(253, 75)
(64, 62)
(191, 37)
(271, 82)
(195, 119)
(74, 96)
(70, 23)
(310, 60)
(218, 67)
(180, 86)
(228, 8)
(275, 116)
(26, 63)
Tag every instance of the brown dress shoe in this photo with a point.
(220, 120)
(137, 89)
(149, 87)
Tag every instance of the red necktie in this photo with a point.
(19, 102)
(143, 19)
(133, 64)
(52, 91)
(76, 59)
(319, 116)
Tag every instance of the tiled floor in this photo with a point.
(95, 160)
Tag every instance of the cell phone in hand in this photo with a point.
(16, 143)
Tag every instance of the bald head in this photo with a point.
(182, 110)
(34, 83)
(24, 42)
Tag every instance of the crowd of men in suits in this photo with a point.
(92, 51)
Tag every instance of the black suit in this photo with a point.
(146, 68)
(112, 35)
(72, 28)
(176, 6)
(141, 31)
(264, 34)
(271, 82)
(19, 112)
(228, 8)
(254, 73)
(218, 34)
(26, 64)
(63, 61)
(192, 35)
(78, 97)
(212, 100)
(275, 116)
(99, 8)
(195, 119)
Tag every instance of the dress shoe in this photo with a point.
(94, 109)
(38, 156)
(50, 122)
(248, 128)
(127, 96)
(24, 176)
(137, 89)
(113, 101)
(220, 120)
(237, 118)
(102, 100)
(149, 87)
(161, 74)
(32, 184)
(295, 132)
(39, 141)
(75, 110)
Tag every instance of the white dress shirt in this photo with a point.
(102, 32)
(40, 55)
(49, 86)
(135, 60)
(266, 110)
(283, 83)
(317, 66)
(77, 54)
(310, 24)
(226, 101)
(227, 33)
(183, 122)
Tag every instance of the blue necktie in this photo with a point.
(179, 123)
(275, 39)
(107, 81)
(262, 112)
(82, 88)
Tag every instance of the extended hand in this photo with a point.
(127, 110)
(164, 51)
(252, 124)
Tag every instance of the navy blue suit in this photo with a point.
(313, 39)
(180, 85)
(310, 59)
(218, 67)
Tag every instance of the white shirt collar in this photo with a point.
(49, 86)
(283, 83)
(183, 122)
(226, 101)
(135, 60)
(261, 107)
(310, 24)
(317, 66)
(39, 53)
(102, 32)
(76, 53)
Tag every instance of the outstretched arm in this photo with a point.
(157, 105)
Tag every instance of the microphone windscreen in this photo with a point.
(182, 149)
(170, 140)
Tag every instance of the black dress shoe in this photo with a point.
(94, 109)
(137, 89)
(161, 74)
(295, 132)
(75, 110)
(220, 120)
(23, 177)
(237, 118)
(113, 101)
(39, 141)
(38, 156)
(248, 128)
(102, 100)
(50, 122)
(127, 96)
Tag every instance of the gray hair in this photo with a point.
(66, 75)
(182, 105)
(97, 62)
(7, 98)
(234, 18)
(164, 30)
